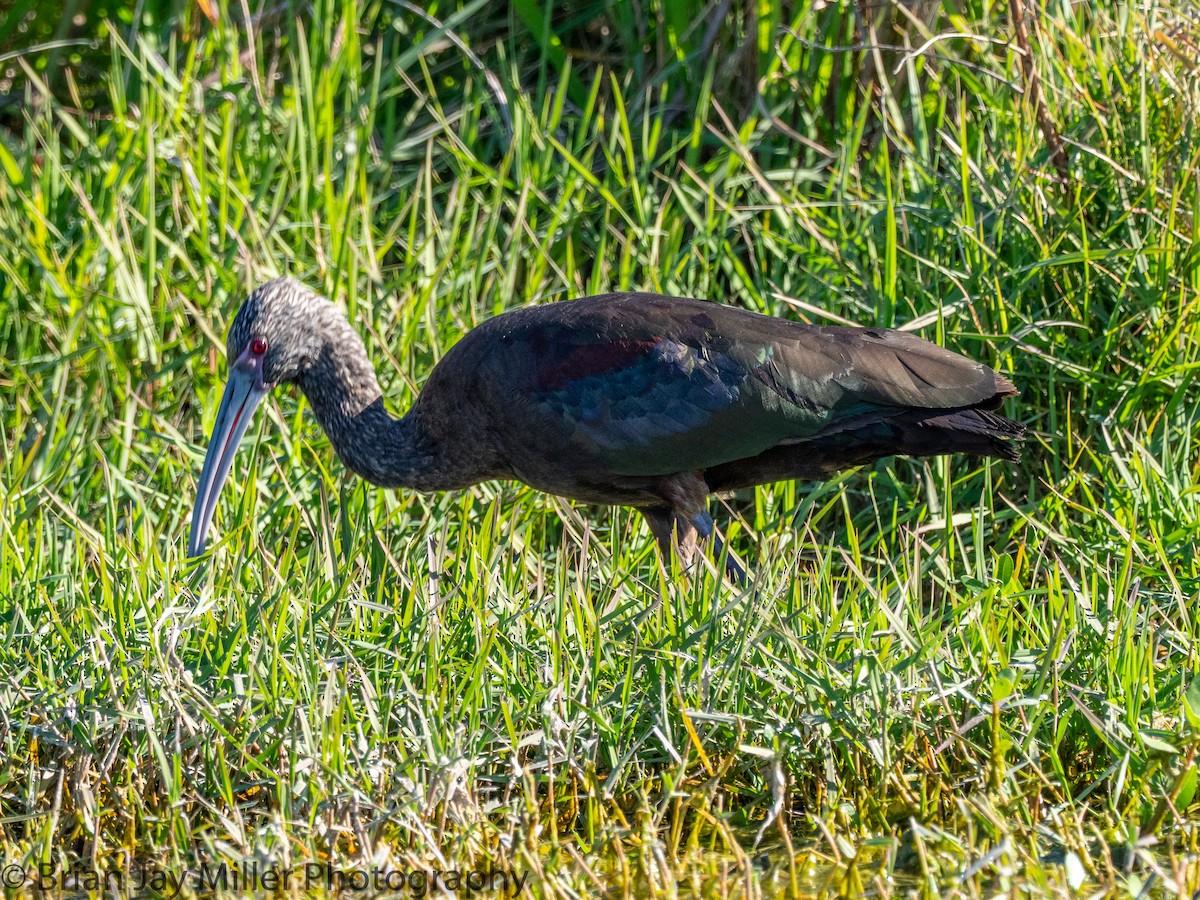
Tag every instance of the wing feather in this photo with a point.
(649, 385)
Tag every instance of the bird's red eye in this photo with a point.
(258, 346)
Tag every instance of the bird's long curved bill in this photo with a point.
(242, 396)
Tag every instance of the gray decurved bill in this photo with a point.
(242, 396)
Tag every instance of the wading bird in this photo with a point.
(632, 399)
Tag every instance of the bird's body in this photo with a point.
(624, 399)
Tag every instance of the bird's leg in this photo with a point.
(681, 523)
(707, 529)
(673, 533)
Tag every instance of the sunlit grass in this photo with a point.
(942, 677)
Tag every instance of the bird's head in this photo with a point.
(276, 337)
(278, 333)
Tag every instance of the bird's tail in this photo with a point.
(974, 431)
(922, 432)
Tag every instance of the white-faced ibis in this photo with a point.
(632, 399)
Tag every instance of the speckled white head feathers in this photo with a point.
(285, 332)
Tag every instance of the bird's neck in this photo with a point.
(344, 393)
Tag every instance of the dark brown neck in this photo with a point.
(385, 451)
(342, 389)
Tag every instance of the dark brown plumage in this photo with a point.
(631, 399)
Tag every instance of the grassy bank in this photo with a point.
(943, 677)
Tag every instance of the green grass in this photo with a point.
(947, 678)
